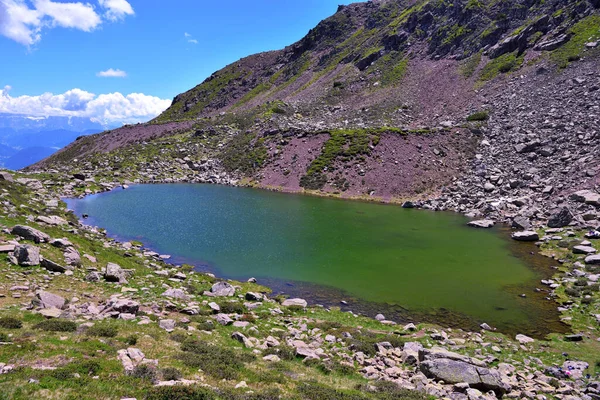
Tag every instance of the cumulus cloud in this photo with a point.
(116, 9)
(24, 24)
(193, 41)
(112, 73)
(105, 108)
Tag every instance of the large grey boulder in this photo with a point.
(5, 176)
(586, 196)
(29, 233)
(522, 223)
(114, 273)
(222, 289)
(453, 371)
(584, 250)
(27, 255)
(123, 306)
(560, 218)
(45, 299)
(294, 302)
(526, 236)
(72, 257)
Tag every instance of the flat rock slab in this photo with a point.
(484, 223)
(593, 260)
(526, 236)
(294, 302)
(7, 248)
(586, 196)
(584, 250)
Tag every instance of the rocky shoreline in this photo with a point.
(444, 363)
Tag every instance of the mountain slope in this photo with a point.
(389, 99)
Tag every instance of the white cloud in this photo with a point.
(24, 25)
(187, 35)
(69, 15)
(194, 41)
(112, 73)
(106, 108)
(116, 9)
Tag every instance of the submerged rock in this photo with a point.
(484, 223)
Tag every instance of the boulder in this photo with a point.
(586, 196)
(224, 319)
(61, 243)
(561, 218)
(114, 273)
(167, 324)
(452, 372)
(53, 267)
(252, 296)
(29, 233)
(176, 294)
(5, 176)
(45, 299)
(27, 255)
(294, 302)
(584, 250)
(51, 220)
(526, 236)
(222, 289)
(72, 257)
(593, 260)
(523, 339)
(124, 306)
(484, 223)
(93, 276)
(51, 312)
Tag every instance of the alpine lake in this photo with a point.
(410, 265)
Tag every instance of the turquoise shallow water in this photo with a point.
(419, 263)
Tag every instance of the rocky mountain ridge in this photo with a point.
(441, 102)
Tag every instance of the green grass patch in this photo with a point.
(478, 116)
(504, 64)
(586, 30)
(57, 325)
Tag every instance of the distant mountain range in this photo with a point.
(25, 140)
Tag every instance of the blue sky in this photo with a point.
(163, 47)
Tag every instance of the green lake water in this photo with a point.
(408, 264)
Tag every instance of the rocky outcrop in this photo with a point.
(27, 255)
(29, 233)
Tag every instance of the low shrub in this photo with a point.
(220, 363)
(478, 116)
(145, 372)
(4, 338)
(57, 325)
(103, 331)
(231, 307)
(284, 352)
(10, 323)
(179, 393)
(131, 340)
(170, 374)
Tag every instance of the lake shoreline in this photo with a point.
(348, 302)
